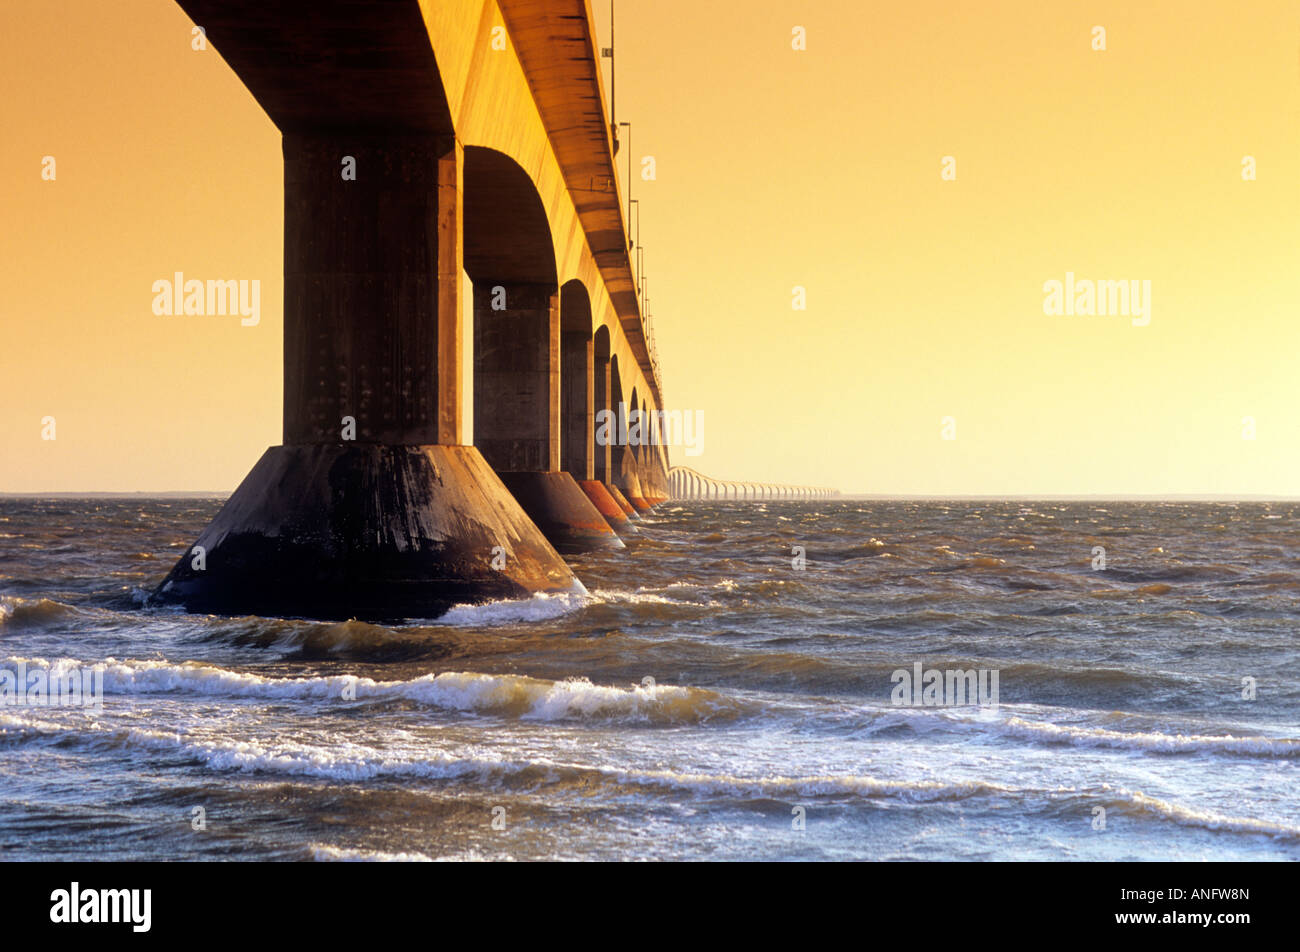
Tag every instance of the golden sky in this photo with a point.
(776, 168)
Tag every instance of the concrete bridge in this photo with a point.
(686, 483)
(448, 177)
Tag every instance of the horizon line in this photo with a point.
(1053, 497)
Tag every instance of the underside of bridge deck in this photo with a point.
(379, 504)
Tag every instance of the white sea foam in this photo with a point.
(827, 785)
(340, 759)
(1148, 740)
(1010, 726)
(1145, 805)
(350, 762)
(651, 595)
(504, 694)
(344, 761)
(642, 596)
(323, 853)
(513, 611)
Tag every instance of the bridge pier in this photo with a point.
(654, 473)
(608, 507)
(586, 382)
(627, 478)
(635, 494)
(373, 507)
(365, 530)
(628, 509)
(531, 432)
(564, 513)
(517, 410)
(401, 182)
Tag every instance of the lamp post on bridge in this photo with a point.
(640, 279)
(629, 183)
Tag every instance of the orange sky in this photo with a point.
(776, 168)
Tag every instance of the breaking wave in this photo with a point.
(505, 694)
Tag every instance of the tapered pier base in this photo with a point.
(367, 531)
(628, 509)
(560, 508)
(632, 491)
(608, 507)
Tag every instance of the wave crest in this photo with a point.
(501, 694)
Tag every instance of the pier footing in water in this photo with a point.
(632, 492)
(560, 508)
(607, 506)
(628, 509)
(366, 531)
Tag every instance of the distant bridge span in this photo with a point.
(687, 483)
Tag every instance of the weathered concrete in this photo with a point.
(608, 507)
(516, 376)
(578, 385)
(562, 511)
(628, 509)
(362, 311)
(602, 387)
(367, 531)
(632, 490)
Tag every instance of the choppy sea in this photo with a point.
(727, 688)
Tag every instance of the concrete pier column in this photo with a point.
(658, 466)
(373, 507)
(635, 494)
(517, 375)
(578, 380)
(577, 383)
(602, 448)
(627, 455)
(596, 483)
(517, 410)
(627, 477)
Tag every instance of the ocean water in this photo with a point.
(707, 699)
